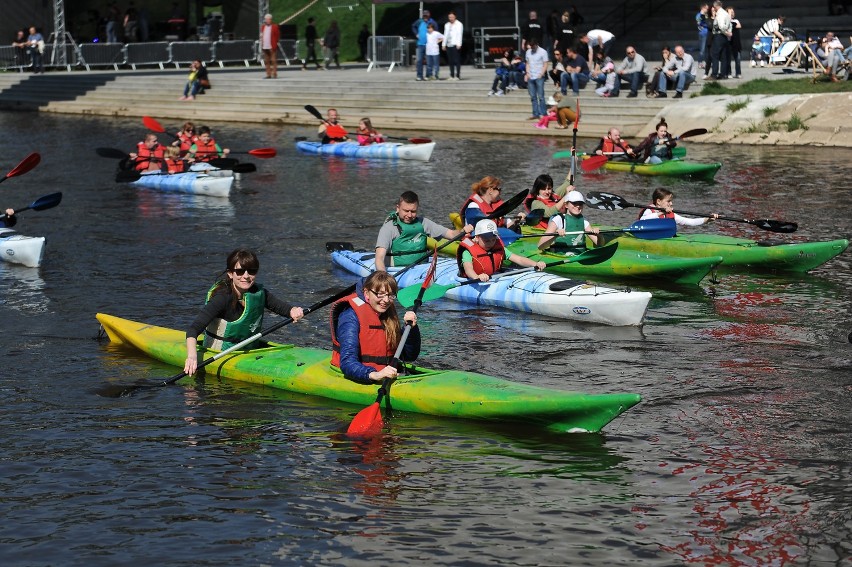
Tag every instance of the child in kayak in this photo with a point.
(483, 255)
(570, 222)
(664, 199)
(367, 134)
(234, 308)
(205, 147)
(365, 331)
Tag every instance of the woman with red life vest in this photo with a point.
(148, 154)
(365, 331)
(205, 147)
(482, 256)
(570, 222)
(172, 162)
(367, 134)
(234, 308)
(613, 147)
(185, 138)
(664, 199)
(483, 201)
(331, 131)
(543, 196)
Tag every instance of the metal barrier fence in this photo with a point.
(288, 48)
(103, 55)
(389, 50)
(13, 58)
(189, 51)
(244, 50)
(154, 53)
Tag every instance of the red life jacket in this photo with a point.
(175, 165)
(486, 208)
(372, 340)
(548, 202)
(142, 152)
(186, 141)
(335, 132)
(484, 261)
(660, 214)
(206, 152)
(610, 146)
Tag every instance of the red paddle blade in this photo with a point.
(367, 424)
(264, 152)
(152, 125)
(593, 163)
(420, 140)
(26, 164)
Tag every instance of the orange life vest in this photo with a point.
(484, 261)
(206, 152)
(548, 202)
(372, 341)
(335, 132)
(610, 146)
(486, 208)
(175, 165)
(156, 153)
(660, 214)
(186, 141)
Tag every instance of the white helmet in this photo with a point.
(485, 226)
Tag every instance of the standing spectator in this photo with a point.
(721, 47)
(536, 61)
(634, 70)
(596, 38)
(551, 29)
(453, 33)
(758, 55)
(565, 32)
(269, 36)
(363, 40)
(433, 52)
(531, 31)
(143, 24)
(20, 45)
(35, 46)
(702, 20)
(130, 24)
(419, 30)
(682, 69)
(310, 45)
(736, 45)
(113, 17)
(708, 45)
(576, 19)
(576, 72)
(331, 45)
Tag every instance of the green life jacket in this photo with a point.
(410, 245)
(572, 243)
(221, 334)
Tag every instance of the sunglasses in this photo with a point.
(241, 271)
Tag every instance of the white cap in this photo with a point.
(551, 101)
(485, 226)
(574, 197)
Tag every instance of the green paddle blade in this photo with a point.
(678, 152)
(407, 295)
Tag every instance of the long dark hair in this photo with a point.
(246, 259)
(542, 181)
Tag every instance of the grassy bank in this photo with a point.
(798, 85)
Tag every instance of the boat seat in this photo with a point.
(564, 284)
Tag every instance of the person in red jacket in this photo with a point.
(269, 36)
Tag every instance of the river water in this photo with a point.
(739, 455)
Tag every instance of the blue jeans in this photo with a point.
(681, 80)
(433, 64)
(421, 54)
(576, 80)
(702, 45)
(635, 79)
(536, 90)
(192, 88)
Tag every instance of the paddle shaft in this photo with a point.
(40, 204)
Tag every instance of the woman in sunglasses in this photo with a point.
(365, 331)
(234, 309)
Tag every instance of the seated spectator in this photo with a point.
(758, 55)
(551, 114)
(633, 69)
(517, 76)
(610, 79)
(203, 79)
(576, 72)
(682, 69)
(193, 83)
(651, 87)
(830, 53)
(600, 61)
(501, 74)
(558, 68)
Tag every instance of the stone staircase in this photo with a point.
(394, 101)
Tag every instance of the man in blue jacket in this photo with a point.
(418, 30)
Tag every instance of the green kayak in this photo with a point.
(624, 264)
(447, 393)
(739, 253)
(670, 168)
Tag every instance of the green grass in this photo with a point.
(800, 85)
(736, 105)
(796, 122)
(769, 111)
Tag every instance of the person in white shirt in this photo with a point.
(720, 49)
(597, 38)
(664, 199)
(433, 52)
(453, 31)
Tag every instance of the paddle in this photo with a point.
(40, 204)
(129, 175)
(611, 202)
(263, 153)
(410, 140)
(574, 145)
(368, 422)
(406, 295)
(592, 163)
(648, 229)
(327, 301)
(677, 152)
(112, 153)
(24, 166)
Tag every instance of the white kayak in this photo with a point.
(386, 150)
(212, 171)
(533, 292)
(16, 248)
(191, 182)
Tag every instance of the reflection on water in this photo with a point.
(22, 288)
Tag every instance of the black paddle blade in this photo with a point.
(775, 225)
(244, 168)
(111, 153)
(46, 202)
(534, 217)
(606, 201)
(509, 205)
(335, 246)
(224, 163)
(693, 132)
(127, 176)
(598, 255)
(310, 108)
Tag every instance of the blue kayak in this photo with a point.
(386, 150)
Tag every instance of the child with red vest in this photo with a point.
(172, 162)
(482, 256)
(205, 147)
(365, 331)
(148, 154)
(664, 199)
(367, 134)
